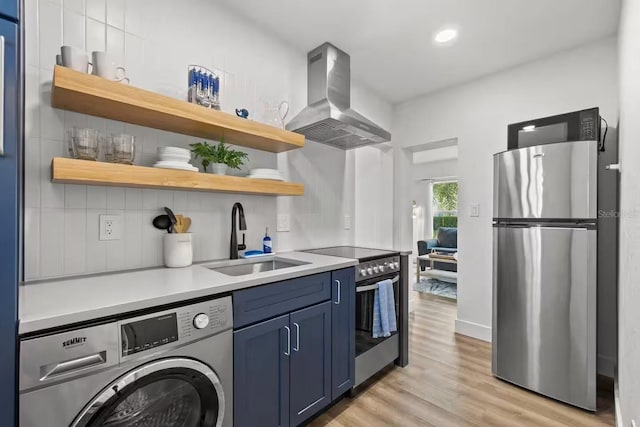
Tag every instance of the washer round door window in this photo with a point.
(173, 392)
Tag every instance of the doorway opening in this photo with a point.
(435, 222)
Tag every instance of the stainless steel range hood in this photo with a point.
(328, 118)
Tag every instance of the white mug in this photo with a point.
(74, 58)
(105, 67)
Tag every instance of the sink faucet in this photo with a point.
(234, 246)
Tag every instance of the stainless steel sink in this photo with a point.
(246, 267)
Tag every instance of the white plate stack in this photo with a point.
(174, 158)
(273, 174)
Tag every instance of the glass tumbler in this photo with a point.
(121, 148)
(84, 144)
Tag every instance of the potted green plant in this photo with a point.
(220, 156)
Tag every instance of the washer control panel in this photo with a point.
(179, 326)
(378, 267)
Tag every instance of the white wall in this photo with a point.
(477, 114)
(373, 200)
(155, 41)
(435, 170)
(629, 291)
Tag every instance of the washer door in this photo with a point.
(174, 392)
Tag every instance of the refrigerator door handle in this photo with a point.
(1, 95)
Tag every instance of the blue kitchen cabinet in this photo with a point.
(343, 338)
(9, 9)
(310, 371)
(261, 374)
(288, 336)
(10, 205)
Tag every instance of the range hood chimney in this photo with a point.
(328, 118)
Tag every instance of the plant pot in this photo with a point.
(219, 168)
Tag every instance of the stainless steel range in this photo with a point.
(375, 265)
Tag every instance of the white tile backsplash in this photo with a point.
(52, 225)
(50, 37)
(115, 198)
(75, 5)
(96, 37)
(115, 13)
(97, 9)
(31, 31)
(96, 197)
(73, 29)
(115, 44)
(154, 41)
(75, 240)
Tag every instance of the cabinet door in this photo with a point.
(261, 374)
(9, 8)
(343, 346)
(310, 361)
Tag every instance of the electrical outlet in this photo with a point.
(110, 227)
(475, 210)
(347, 222)
(284, 223)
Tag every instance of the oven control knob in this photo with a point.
(200, 321)
(382, 269)
(363, 272)
(370, 270)
(375, 269)
(397, 264)
(392, 265)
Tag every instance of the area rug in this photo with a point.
(436, 287)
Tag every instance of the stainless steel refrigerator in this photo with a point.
(545, 260)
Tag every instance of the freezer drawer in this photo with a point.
(544, 311)
(547, 181)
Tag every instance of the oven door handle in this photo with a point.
(374, 286)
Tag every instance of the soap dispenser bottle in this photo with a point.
(266, 243)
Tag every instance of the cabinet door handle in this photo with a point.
(288, 351)
(297, 347)
(339, 286)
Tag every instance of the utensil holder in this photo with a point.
(178, 250)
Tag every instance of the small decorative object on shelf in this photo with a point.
(204, 87)
(220, 156)
(242, 113)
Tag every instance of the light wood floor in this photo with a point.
(449, 383)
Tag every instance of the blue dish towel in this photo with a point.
(384, 310)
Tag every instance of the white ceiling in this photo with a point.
(390, 42)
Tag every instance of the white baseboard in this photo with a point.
(606, 366)
(473, 330)
(616, 398)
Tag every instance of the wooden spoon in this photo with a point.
(186, 224)
(179, 224)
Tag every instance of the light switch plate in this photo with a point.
(110, 227)
(347, 222)
(284, 223)
(475, 210)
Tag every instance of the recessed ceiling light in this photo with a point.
(446, 36)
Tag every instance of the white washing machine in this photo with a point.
(166, 368)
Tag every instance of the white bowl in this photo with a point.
(174, 158)
(264, 171)
(174, 150)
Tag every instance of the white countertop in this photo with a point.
(55, 303)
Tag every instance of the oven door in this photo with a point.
(174, 392)
(365, 293)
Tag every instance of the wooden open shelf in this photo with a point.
(87, 94)
(71, 171)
